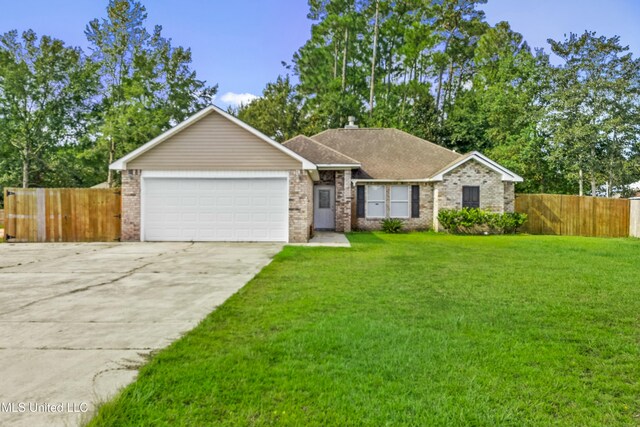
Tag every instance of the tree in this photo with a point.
(148, 85)
(46, 91)
(593, 109)
(277, 113)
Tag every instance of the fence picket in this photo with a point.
(574, 215)
(69, 214)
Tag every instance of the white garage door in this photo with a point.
(215, 209)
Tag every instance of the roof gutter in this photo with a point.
(365, 181)
(338, 166)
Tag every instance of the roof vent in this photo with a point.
(352, 123)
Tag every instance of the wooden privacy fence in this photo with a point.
(574, 215)
(62, 215)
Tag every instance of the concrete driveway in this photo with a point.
(76, 320)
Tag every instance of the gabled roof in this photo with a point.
(388, 153)
(507, 175)
(121, 164)
(319, 154)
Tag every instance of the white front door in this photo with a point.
(324, 207)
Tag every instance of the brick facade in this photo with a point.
(495, 195)
(492, 195)
(341, 180)
(130, 222)
(509, 197)
(343, 201)
(326, 178)
(300, 206)
(423, 222)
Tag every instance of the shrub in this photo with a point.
(478, 221)
(509, 222)
(392, 225)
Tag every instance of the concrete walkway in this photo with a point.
(76, 320)
(327, 238)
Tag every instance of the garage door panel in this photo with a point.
(185, 209)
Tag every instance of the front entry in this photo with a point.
(324, 207)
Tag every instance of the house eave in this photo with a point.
(507, 175)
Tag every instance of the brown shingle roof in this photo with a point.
(318, 153)
(387, 153)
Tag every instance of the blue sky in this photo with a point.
(240, 44)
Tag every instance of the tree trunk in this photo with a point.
(593, 184)
(580, 183)
(449, 88)
(441, 73)
(25, 166)
(335, 57)
(439, 92)
(344, 59)
(112, 153)
(373, 59)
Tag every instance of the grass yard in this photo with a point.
(416, 329)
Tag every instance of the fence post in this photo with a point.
(634, 217)
(41, 219)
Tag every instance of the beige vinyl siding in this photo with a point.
(214, 143)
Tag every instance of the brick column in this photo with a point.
(300, 206)
(343, 201)
(130, 206)
(509, 197)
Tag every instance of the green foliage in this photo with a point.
(594, 109)
(46, 91)
(508, 222)
(277, 113)
(392, 225)
(65, 116)
(479, 221)
(435, 69)
(147, 84)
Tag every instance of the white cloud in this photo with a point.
(236, 99)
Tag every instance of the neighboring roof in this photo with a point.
(388, 153)
(121, 164)
(507, 175)
(318, 153)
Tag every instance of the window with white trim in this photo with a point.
(376, 201)
(399, 201)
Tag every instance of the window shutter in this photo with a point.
(360, 201)
(415, 201)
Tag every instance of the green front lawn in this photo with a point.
(415, 329)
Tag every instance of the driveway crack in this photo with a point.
(86, 288)
(77, 290)
(20, 264)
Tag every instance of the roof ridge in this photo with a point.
(425, 140)
(325, 147)
(332, 149)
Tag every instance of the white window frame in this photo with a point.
(369, 200)
(397, 201)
